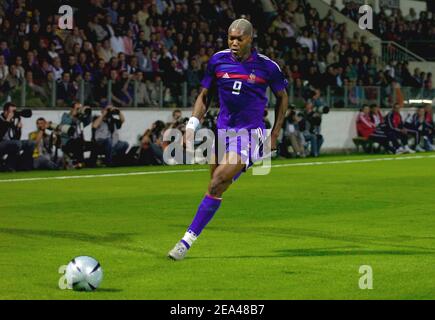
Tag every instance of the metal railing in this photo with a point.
(356, 96)
(393, 51)
(158, 95)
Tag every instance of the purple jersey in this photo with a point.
(242, 87)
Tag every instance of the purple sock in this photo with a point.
(205, 213)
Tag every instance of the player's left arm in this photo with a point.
(280, 111)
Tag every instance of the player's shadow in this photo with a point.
(360, 240)
(324, 252)
(114, 240)
(105, 290)
(312, 252)
(109, 290)
(77, 236)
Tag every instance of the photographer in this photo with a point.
(43, 155)
(310, 126)
(72, 139)
(293, 135)
(106, 135)
(19, 153)
(151, 146)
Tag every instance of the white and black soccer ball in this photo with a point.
(84, 274)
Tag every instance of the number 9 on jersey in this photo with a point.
(237, 87)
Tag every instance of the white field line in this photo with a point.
(142, 173)
(350, 161)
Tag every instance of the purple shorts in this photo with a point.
(246, 143)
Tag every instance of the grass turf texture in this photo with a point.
(297, 233)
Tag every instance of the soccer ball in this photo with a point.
(84, 274)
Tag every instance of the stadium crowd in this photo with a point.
(169, 42)
(133, 47)
(394, 25)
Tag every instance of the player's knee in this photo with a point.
(217, 180)
(217, 185)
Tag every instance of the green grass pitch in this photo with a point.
(301, 232)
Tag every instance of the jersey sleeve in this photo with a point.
(209, 75)
(277, 81)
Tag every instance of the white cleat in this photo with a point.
(419, 149)
(179, 252)
(408, 150)
(400, 150)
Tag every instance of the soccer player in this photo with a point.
(241, 76)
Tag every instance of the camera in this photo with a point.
(25, 113)
(113, 112)
(322, 109)
(62, 128)
(84, 112)
(210, 120)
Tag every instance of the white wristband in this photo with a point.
(193, 123)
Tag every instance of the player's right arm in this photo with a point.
(199, 111)
(200, 106)
(203, 99)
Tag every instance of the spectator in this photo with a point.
(4, 69)
(376, 115)
(66, 91)
(176, 116)
(396, 131)
(106, 52)
(5, 51)
(417, 123)
(141, 93)
(122, 91)
(12, 81)
(88, 89)
(367, 129)
(19, 65)
(57, 69)
(429, 123)
(333, 56)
